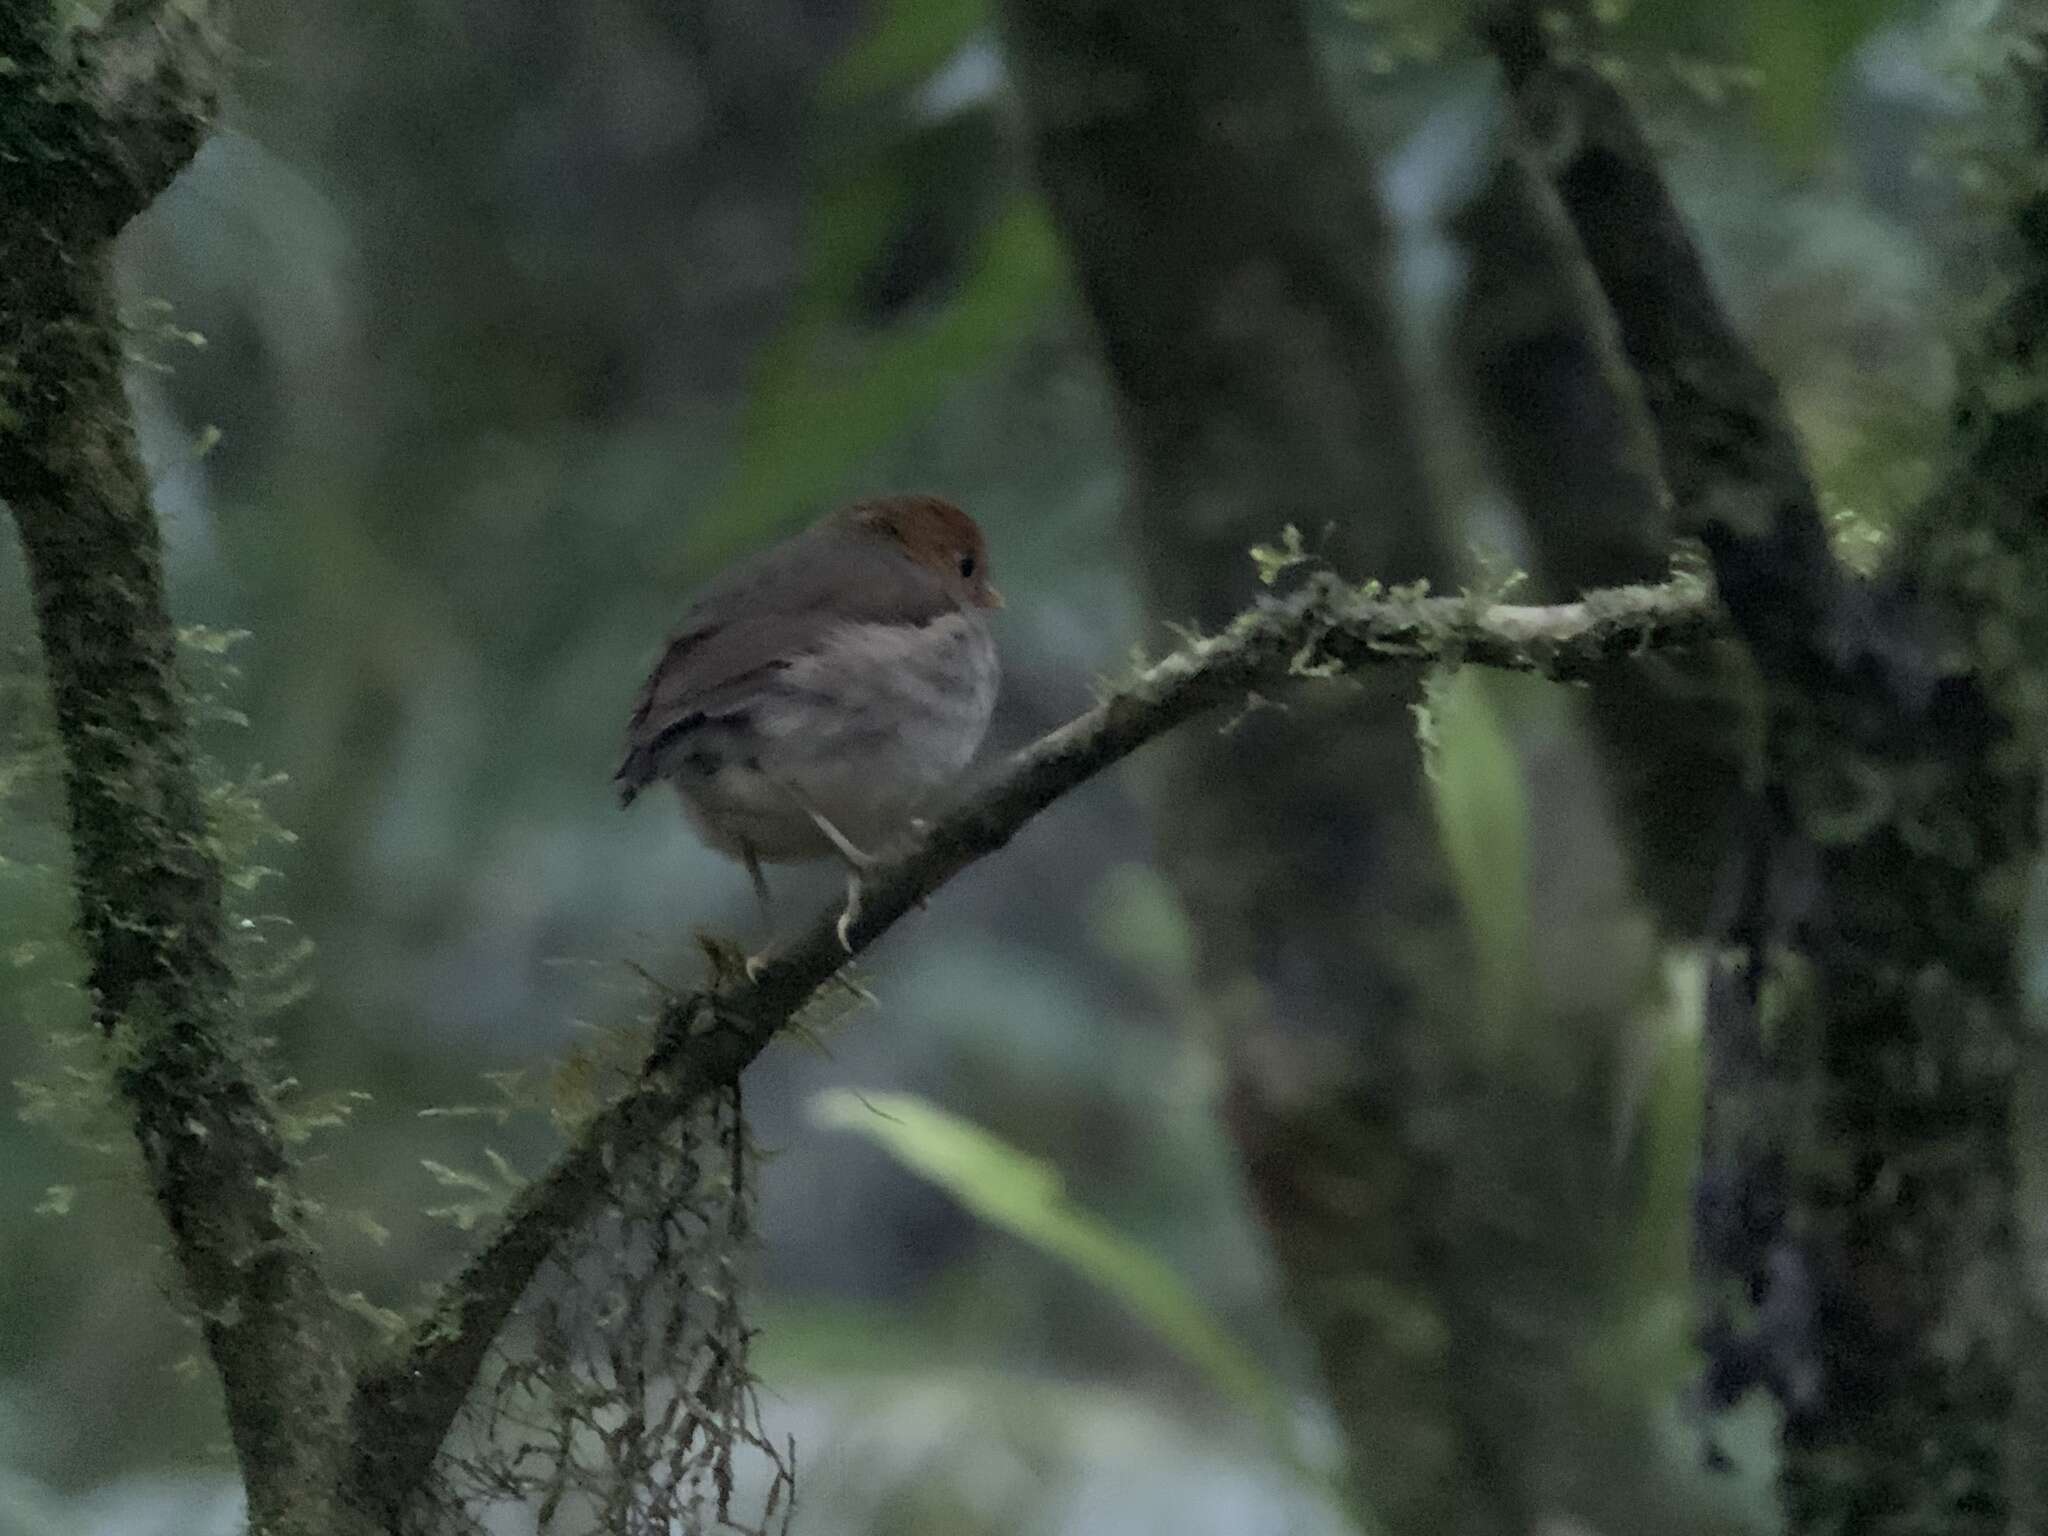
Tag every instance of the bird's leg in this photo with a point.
(852, 911)
(753, 862)
(855, 859)
(857, 862)
(919, 826)
(755, 964)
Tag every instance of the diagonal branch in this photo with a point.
(706, 1040)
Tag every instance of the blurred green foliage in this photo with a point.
(903, 44)
(828, 398)
(1782, 64)
(1482, 816)
(923, 263)
(1022, 1195)
(1798, 52)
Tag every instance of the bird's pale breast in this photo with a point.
(866, 728)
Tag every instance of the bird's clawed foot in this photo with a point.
(852, 912)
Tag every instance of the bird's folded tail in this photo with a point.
(645, 751)
(634, 775)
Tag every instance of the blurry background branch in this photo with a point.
(1260, 377)
(1734, 465)
(1562, 415)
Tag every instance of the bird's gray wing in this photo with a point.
(757, 618)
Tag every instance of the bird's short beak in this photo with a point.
(991, 598)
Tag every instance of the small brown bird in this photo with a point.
(819, 695)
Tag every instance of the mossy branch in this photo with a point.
(1326, 628)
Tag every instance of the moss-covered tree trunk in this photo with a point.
(1855, 1206)
(92, 124)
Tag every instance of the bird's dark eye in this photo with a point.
(967, 567)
